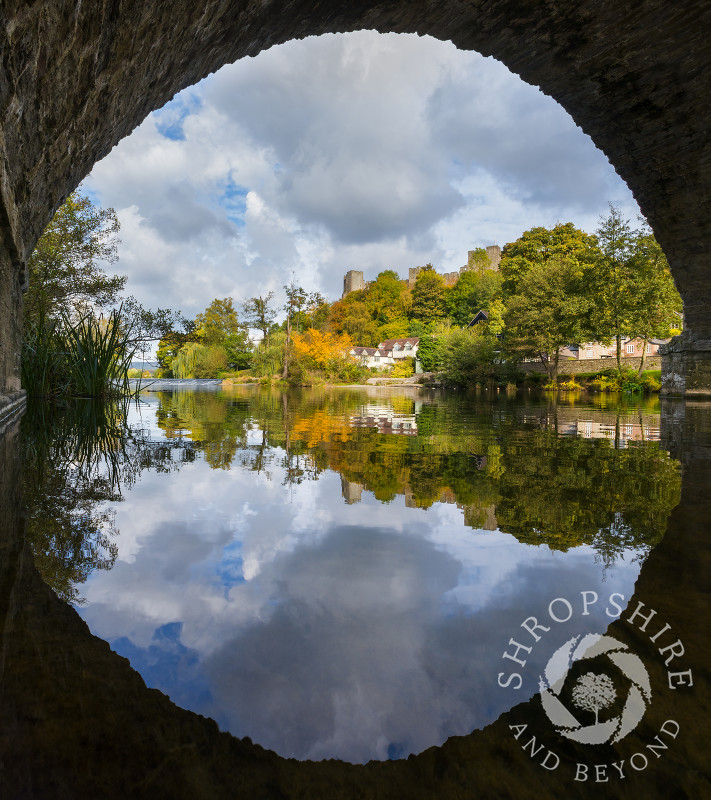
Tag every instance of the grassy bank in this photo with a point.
(606, 380)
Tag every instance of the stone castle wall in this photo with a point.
(354, 281)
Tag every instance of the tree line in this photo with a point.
(554, 287)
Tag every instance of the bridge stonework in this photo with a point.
(78, 77)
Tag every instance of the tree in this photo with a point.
(219, 326)
(538, 246)
(197, 360)
(321, 350)
(473, 292)
(387, 298)
(659, 305)
(468, 356)
(260, 315)
(296, 299)
(550, 310)
(170, 345)
(428, 303)
(633, 283)
(350, 315)
(65, 272)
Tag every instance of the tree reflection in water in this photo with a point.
(545, 473)
(78, 458)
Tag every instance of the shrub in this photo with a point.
(404, 368)
(570, 385)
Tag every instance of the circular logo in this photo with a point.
(612, 690)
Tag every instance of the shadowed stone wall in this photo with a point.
(593, 365)
(78, 77)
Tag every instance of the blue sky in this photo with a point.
(357, 151)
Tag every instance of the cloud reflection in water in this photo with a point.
(321, 629)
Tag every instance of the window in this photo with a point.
(408, 346)
(630, 348)
(649, 347)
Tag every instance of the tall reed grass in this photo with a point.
(87, 358)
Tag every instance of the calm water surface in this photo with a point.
(338, 573)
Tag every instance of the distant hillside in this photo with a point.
(150, 366)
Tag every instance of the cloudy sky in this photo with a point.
(358, 151)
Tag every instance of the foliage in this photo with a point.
(87, 358)
(320, 357)
(627, 381)
(219, 328)
(473, 292)
(570, 385)
(472, 356)
(539, 246)
(478, 260)
(320, 349)
(196, 360)
(403, 368)
(259, 314)
(351, 316)
(632, 281)
(211, 345)
(387, 300)
(268, 357)
(428, 352)
(428, 296)
(65, 272)
(550, 311)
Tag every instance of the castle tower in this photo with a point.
(494, 253)
(353, 281)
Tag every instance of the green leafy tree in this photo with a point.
(659, 305)
(550, 310)
(65, 269)
(219, 327)
(428, 296)
(539, 246)
(473, 292)
(633, 284)
(468, 356)
(387, 298)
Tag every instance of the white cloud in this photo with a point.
(361, 151)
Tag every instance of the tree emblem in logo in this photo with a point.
(593, 692)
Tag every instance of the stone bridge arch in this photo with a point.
(78, 77)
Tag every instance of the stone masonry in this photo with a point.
(78, 77)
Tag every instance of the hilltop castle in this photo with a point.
(353, 280)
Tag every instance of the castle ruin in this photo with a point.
(353, 280)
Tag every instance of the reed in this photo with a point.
(87, 358)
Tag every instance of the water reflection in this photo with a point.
(248, 588)
(78, 460)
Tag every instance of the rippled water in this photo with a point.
(339, 573)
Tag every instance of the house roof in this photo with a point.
(388, 344)
(370, 351)
(480, 316)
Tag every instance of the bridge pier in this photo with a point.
(686, 367)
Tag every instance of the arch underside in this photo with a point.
(77, 78)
